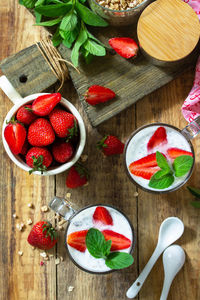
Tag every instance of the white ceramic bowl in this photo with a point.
(18, 101)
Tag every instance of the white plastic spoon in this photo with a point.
(171, 230)
(173, 261)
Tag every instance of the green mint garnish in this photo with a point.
(98, 247)
(70, 19)
(182, 165)
(119, 260)
(164, 178)
(96, 244)
(195, 192)
(162, 161)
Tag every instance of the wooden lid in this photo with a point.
(168, 30)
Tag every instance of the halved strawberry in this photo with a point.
(102, 215)
(145, 162)
(159, 137)
(43, 105)
(77, 240)
(124, 46)
(98, 94)
(119, 241)
(175, 152)
(145, 173)
(15, 135)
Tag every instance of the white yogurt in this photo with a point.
(137, 148)
(84, 220)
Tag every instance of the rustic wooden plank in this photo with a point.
(164, 106)
(21, 277)
(108, 184)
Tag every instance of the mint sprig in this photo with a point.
(195, 192)
(98, 247)
(164, 178)
(70, 18)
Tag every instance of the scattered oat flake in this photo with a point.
(135, 194)
(87, 183)
(61, 258)
(68, 195)
(84, 157)
(70, 288)
(33, 248)
(41, 263)
(14, 216)
(43, 254)
(20, 253)
(44, 208)
(30, 205)
(20, 226)
(57, 261)
(29, 221)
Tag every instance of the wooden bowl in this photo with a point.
(168, 31)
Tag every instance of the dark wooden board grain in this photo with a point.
(130, 79)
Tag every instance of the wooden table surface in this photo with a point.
(22, 277)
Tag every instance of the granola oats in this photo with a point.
(119, 4)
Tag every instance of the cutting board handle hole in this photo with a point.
(23, 78)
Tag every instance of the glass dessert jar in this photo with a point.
(118, 17)
(80, 221)
(140, 161)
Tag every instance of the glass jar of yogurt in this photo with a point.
(80, 221)
(140, 158)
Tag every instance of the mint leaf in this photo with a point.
(195, 204)
(29, 3)
(49, 23)
(195, 192)
(161, 173)
(79, 42)
(162, 182)
(38, 17)
(94, 48)
(182, 165)
(87, 55)
(69, 21)
(162, 162)
(54, 10)
(56, 39)
(96, 243)
(89, 17)
(119, 260)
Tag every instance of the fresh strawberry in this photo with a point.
(64, 123)
(143, 172)
(102, 215)
(25, 115)
(42, 235)
(39, 159)
(77, 176)
(119, 241)
(62, 151)
(40, 133)
(25, 148)
(145, 167)
(77, 240)
(175, 152)
(110, 145)
(159, 137)
(98, 94)
(124, 46)
(43, 105)
(15, 135)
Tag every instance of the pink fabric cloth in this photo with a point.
(191, 106)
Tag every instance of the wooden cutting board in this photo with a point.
(130, 79)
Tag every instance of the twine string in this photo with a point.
(55, 61)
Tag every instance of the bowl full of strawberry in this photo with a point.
(43, 133)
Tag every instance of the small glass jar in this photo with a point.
(118, 17)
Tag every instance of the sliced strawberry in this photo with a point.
(102, 215)
(15, 135)
(98, 94)
(44, 104)
(119, 241)
(145, 162)
(124, 46)
(159, 137)
(77, 240)
(175, 152)
(145, 173)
